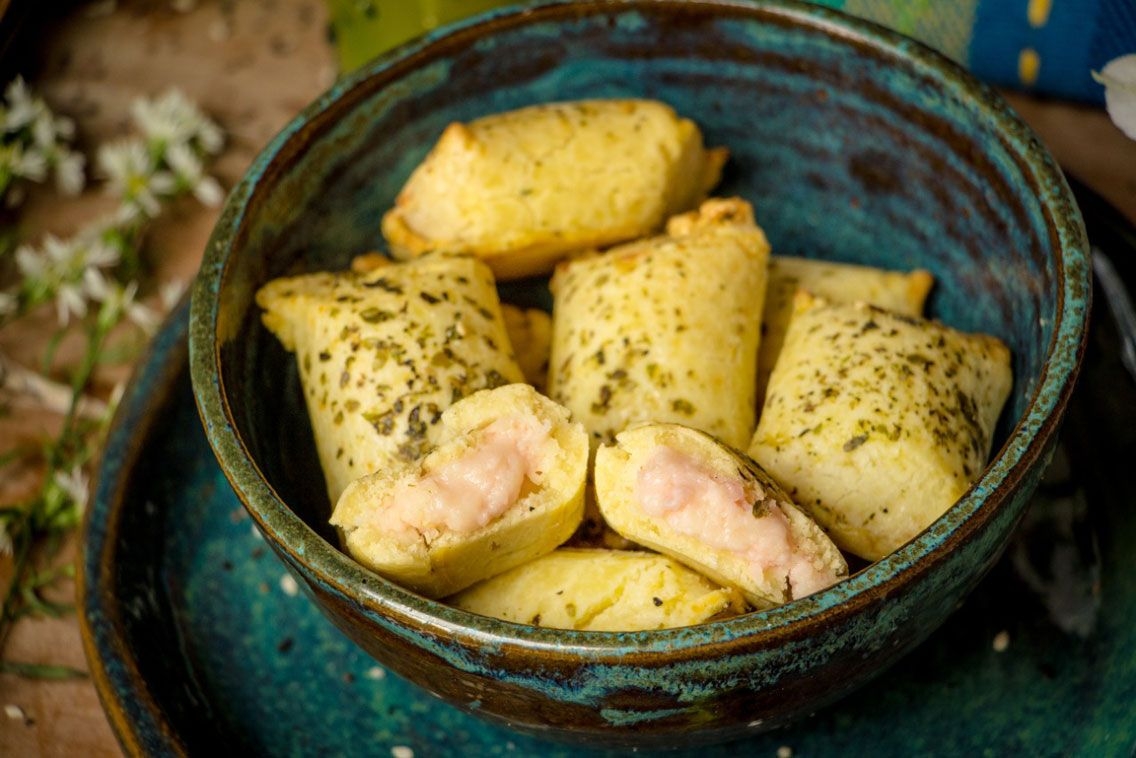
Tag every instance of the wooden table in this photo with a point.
(252, 66)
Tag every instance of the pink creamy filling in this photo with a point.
(469, 492)
(716, 510)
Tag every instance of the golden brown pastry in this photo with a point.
(381, 354)
(685, 494)
(877, 423)
(601, 590)
(530, 333)
(665, 328)
(903, 292)
(522, 188)
(504, 485)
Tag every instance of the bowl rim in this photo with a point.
(1025, 447)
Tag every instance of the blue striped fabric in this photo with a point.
(1049, 47)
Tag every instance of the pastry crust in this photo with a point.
(877, 423)
(904, 292)
(522, 188)
(597, 589)
(683, 493)
(530, 333)
(665, 328)
(504, 485)
(382, 353)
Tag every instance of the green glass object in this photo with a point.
(364, 28)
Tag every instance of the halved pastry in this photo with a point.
(903, 292)
(601, 590)
(522, 188)
(682, 492)
(383, 351)
(504, 485)
(877, 423)
(665, 328)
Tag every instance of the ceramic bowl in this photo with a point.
(852, 143)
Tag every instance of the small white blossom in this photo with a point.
(123, 161)
(43, 129)
(69, 178)
(169, 293)
(22, 106)
(32, 264)
(1119, 80)
(69, 301)
(63, 255)
(9, 304)
(173, 119)
(96, 286)
(67, 268)
(131, 173)
(29, 163)
(118, 301)
(76, 486)
(99, 253)
(190, 172)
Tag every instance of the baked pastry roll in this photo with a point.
(903, 292)
(877, 423)
(597, 589)
(681, 492)
(381, 354)
(665, 328)
(530, 334)
(522, 188)
(504, 485)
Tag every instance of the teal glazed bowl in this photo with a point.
(853, 144)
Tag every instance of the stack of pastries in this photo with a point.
(698, 428)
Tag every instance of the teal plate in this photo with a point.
(199, 639)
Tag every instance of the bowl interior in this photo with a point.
(852, 144)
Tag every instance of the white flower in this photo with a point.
(118, 301)
(75, 485)
(69, 178)
(43, 129)
(170, 293)
(97, 252)
(64, 128)
(66, 268)
(1119, 80)
(132, 174)
(173, 119)
(9, 304)
(189, 170)
(30, 163)
(123, 161)
(31, 263)
(145, 317)
(96, 286)
(22, 106)
(70, 301)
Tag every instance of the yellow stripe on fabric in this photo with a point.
(1029, 66)
(1038, 12)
